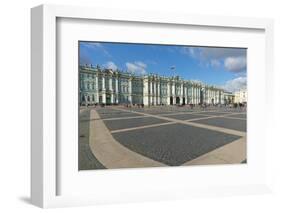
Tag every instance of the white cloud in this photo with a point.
(221, 53)
(215, 63)
(235, 64)
(95, 46)
(236, 84)
(233, 59)
(191, 51)
(138, 67)
(140, 64)
(111, 65)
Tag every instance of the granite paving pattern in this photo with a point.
(173, 144)
(129, 123)
(236, 124)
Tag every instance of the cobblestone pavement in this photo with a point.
(86, 158)
(170, 135)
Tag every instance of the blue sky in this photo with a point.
(224, 67)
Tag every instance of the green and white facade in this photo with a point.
(105, 86)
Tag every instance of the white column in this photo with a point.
(191, 94)
(130, 91)
(145, 92)
(116, 90)
(199, 89)
(194, 95)
(186, 93)
(195, 91)
(97, 88)
(206, 100)
(173, 89)
(198, 95)
(174, 93)
(103, 90)
(110, 89)
(181, 89)
(168, 93)
(158, 94)
(218, 96)
(181, 98)
(209, 92)
(151, 96)
(154, 94)
(210, 96)
(103, 82)
(207, 96)
(111, 98)
(110, 83)
(183, 94)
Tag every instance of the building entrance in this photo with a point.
(177, 100)
(108, 100)
(171, 100)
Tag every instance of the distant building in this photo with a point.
(241, 96)
(105, 86)
(228, 97)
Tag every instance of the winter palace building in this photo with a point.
(105, 86)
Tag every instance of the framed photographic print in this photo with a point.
(131, 105)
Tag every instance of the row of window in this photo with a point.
(137, 87)
(125, 89)
(123, 98)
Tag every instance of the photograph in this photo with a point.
(158, 105)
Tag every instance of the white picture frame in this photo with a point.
(44, 148)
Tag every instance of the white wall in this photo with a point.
(15, 98)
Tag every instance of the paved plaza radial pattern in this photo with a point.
(120, 137)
